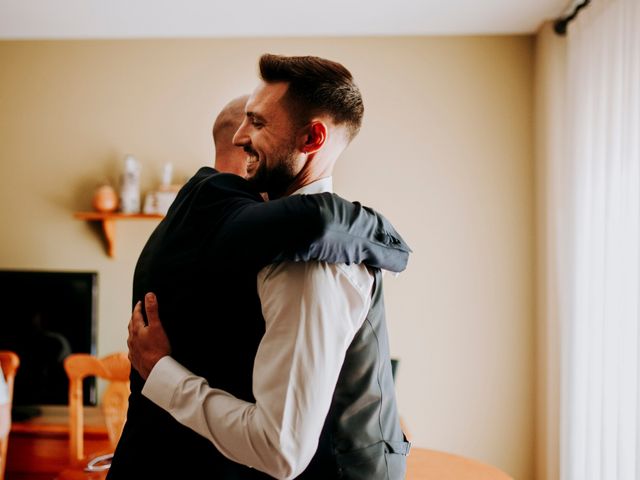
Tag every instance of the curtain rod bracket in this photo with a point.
(560, 25)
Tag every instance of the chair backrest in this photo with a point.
(115, 368)
(9, 362)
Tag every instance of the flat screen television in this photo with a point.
(44, 317)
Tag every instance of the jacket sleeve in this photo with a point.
(323, 227)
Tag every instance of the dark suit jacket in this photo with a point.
(202, 262)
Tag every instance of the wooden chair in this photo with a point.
(115, 368)
(423, 464)
(9, 362)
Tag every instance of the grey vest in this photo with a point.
(361, 438)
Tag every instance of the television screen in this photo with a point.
(44, 317)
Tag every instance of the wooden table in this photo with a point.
(39, 450)
(39, 447)
(423, 464)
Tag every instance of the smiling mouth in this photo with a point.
(252, 157)
(252, 160)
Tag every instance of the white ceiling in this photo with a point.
(53, 19)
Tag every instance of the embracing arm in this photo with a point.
(322, 227)
(296, 369)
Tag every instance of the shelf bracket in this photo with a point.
(109, 230)
(108, 224)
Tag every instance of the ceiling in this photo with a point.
(57, 19)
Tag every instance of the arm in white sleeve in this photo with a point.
(312, 312)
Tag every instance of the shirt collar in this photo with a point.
(319, 186)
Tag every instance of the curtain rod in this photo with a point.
(560, 25)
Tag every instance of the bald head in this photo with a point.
(229, 158)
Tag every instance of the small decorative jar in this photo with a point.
(105, 199)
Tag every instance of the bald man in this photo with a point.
(202, 262)
(229, 158)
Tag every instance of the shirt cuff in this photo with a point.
(164, 379)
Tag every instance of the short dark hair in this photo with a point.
(316, 86)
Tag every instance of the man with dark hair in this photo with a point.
(202, 262)
(324, 405)
(316, 85)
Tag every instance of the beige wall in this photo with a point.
(445, 152)
(550, 81)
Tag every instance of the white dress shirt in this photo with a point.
(312, 312)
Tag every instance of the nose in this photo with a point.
(241, 137)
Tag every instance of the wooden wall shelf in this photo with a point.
(108, 221)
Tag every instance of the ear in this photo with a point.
(315, 138)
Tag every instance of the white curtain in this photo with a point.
(600, 243)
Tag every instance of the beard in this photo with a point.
(275, 180)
